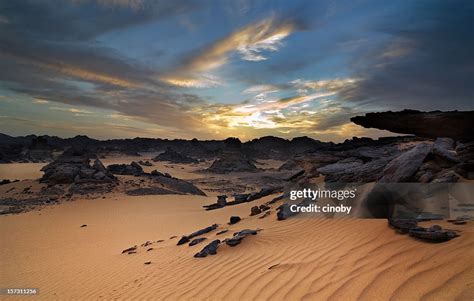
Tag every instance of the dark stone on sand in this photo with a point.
(238, 236)
(197, 240)
(222, 200)
(255, 210)
(454, 124)
(402, 225)
(263, 192)
(267, 213)
(145, 163)
(222, 232)
(234, 219)
(210, 249)
(131, 249)
(187, 238)
(433, 234)
(82, 226)
(148, 262)
(183, 240)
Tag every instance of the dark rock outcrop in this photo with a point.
(402, 168)
(132, 169)
(453, 124)
(232, 162)
(73, 166)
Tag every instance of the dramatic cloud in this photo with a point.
(250, 42)
(426, 64)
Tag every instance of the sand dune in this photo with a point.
(309, 259)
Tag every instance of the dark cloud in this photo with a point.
(426, 64)
(61, 21)
(47, 51)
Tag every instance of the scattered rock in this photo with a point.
(238, 236)
(402, 225)
(197, 240)
(434, 234)
(265, 214)
(131, 249)
(221, 200)
(82, 226)
(145, 163)
(148, 262)
(222, 232)
(234, 220)
(149, 249)
(210, 249)
(187, 238)
(255, 210)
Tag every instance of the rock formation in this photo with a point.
(73, 166)
(454, 124)
(232, 162)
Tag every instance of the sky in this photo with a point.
(217, 69)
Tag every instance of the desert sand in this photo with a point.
(296, 259)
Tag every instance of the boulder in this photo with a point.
(73, 166)
(255, 210)
(234, 219)
(403, 167)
